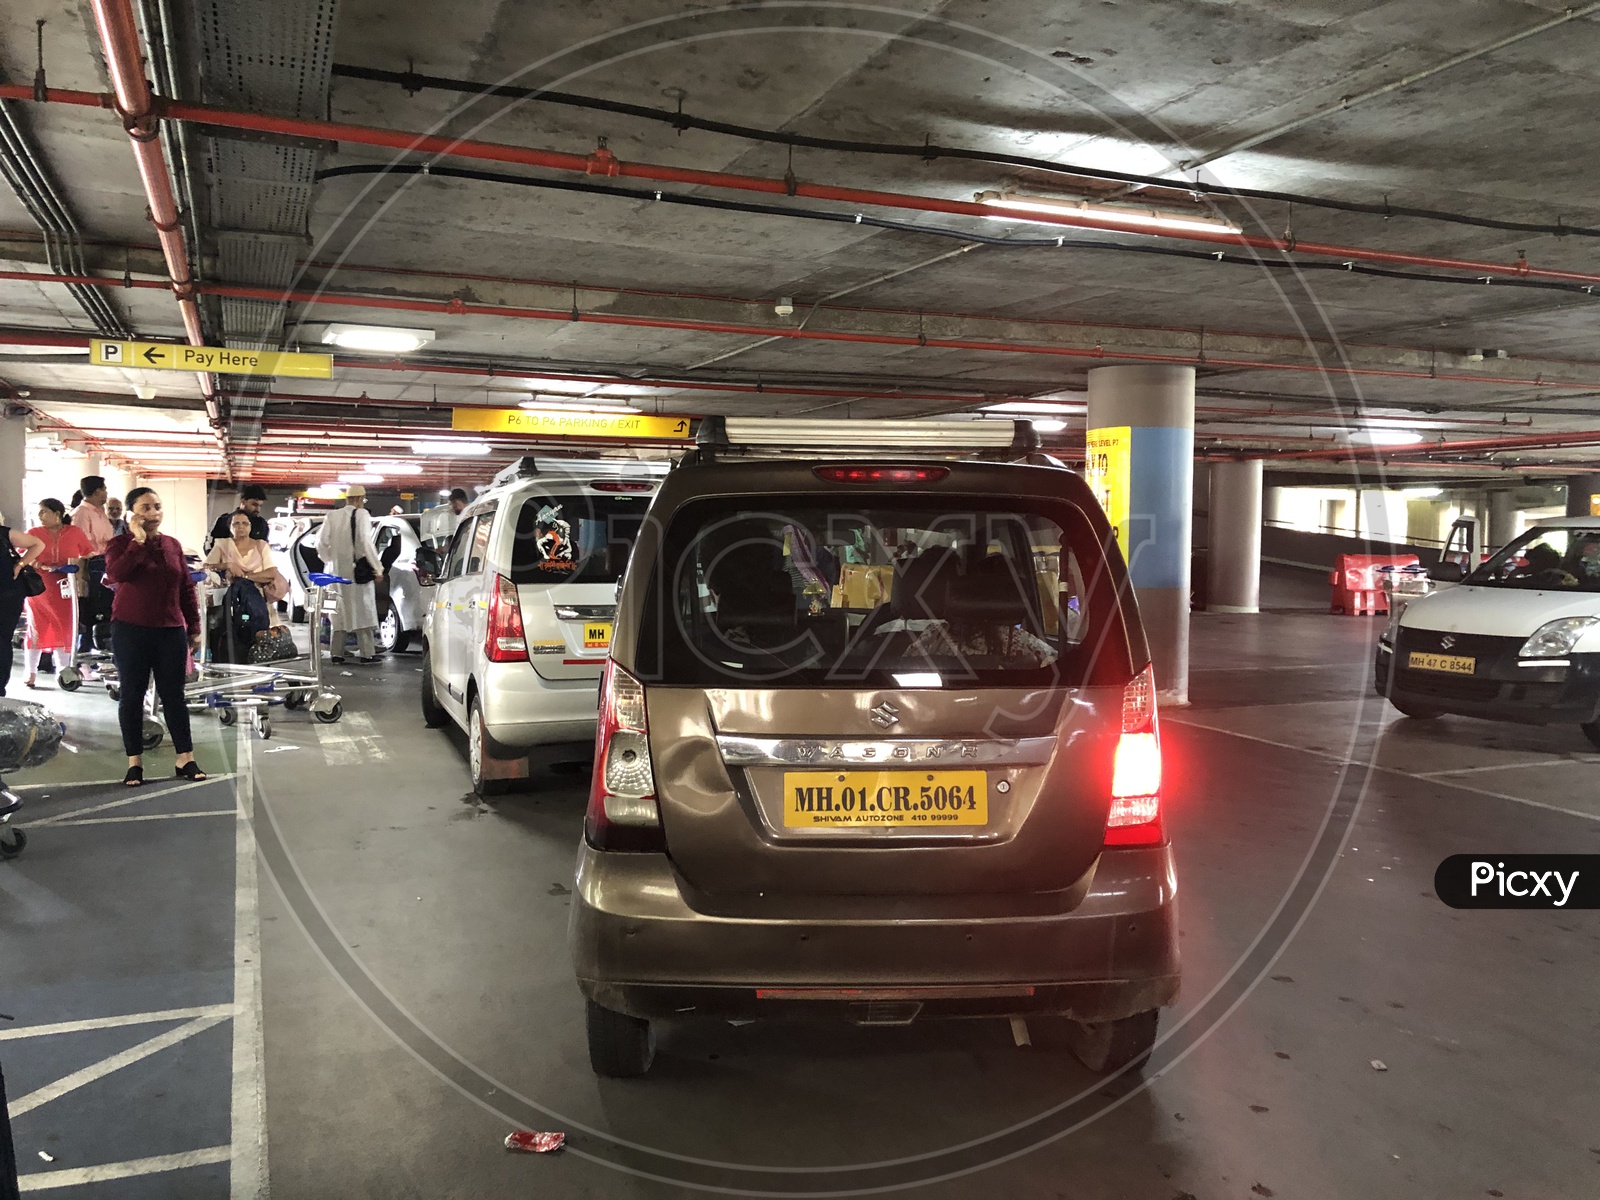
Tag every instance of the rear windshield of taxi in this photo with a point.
(566, 537)
(1561, 559)
(846, 592)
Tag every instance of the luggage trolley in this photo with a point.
(257, 688)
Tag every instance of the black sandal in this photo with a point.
(191, 771)
(134, 777)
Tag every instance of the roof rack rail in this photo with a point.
(720, 436)
(520, 468)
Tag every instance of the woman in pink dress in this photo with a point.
(51, 624)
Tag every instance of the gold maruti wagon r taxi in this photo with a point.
(877, 738)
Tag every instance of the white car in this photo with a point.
(404, 585)
(1518, 639)
(520, 623)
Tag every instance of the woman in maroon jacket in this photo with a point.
(154, 621)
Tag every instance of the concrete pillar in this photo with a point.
(1501, 527)
(1234, 584)
(1272, 502)
(1156, 407)
(1581, 490)
(13, 464)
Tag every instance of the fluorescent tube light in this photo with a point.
(1154, 219)
(442, 448)
(381, 339)
(1385, 437)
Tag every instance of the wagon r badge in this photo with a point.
(885, 715)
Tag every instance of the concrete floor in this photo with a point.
(417, 1003)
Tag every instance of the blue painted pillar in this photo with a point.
(1155, 405)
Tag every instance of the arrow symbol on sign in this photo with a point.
(680, 427)
(150, 354)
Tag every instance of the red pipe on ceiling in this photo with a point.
(133, 101)
(603, 162)
(459, 308)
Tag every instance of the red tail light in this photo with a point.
(622, 811)
(1135, 818)
(880, 474)
(504, 640)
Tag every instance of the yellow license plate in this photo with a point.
(1454, 664)
(818, 799)
(596, 635)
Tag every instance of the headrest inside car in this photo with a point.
(922, 585)
(764, 601)
(992, 593)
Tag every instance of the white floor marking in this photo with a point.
(145, 1018)
(71, 1083)
(247, 1153)
(42, 1181)
(215, 812)
(147, 792)
(1587, 759)
(1335, 758)
(352, 740)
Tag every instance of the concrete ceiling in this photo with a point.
(1304, 350)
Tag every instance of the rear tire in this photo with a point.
(478, 751)
(433, 713)
(12, 842)
(620, 1046)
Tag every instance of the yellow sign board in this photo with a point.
(1109, 452)
(169, 356)
(555, 423)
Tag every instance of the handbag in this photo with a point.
(278, 589)
(29, 580)
(363, 572)
(273, 645)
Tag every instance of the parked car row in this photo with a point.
(873, 730)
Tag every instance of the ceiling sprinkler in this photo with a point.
(785, 306)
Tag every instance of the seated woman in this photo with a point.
(242, 556)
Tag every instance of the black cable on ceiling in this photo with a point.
(653, 195)
(413, 82)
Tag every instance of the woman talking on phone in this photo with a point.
(154, 622)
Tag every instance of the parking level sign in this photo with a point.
(1107, 469)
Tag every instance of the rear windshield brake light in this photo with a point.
(620, 485)
(867, 474)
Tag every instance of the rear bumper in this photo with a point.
(1501, 690)
(638, 947)
(522, 711)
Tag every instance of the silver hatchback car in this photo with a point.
(877, 738)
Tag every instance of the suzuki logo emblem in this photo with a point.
(1447, 641)
(885, 715)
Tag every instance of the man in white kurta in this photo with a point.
(346, 535)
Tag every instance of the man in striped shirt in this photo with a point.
(94, 610)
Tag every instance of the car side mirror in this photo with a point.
(426, 561)
(1447, 572)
